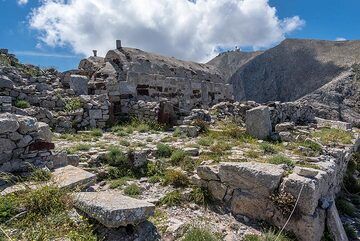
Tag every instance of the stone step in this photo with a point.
(112, 209)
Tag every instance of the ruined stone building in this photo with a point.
(130, 75)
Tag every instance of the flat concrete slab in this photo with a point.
(71, 177)
(112, 209)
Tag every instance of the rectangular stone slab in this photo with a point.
(112, 209)
(71, 177)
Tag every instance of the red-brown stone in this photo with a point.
(41, 146)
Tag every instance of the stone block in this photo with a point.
(258, 123)
(27, 124)
(256, 177)
(208, 173)
(113, 209)
(8, 123)
(79, 84)
(95, 114)
(71, 177)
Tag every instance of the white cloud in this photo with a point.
(190, 30)
(22, 2)
(42, 54)
(340, 39)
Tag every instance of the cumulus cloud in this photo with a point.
(22, 2)
(191, 30)
(340, 39)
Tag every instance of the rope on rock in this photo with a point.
(292, 212)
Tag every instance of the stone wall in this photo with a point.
(268, 192)
(279, 112)
(24, 143)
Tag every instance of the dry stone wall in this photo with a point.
(24, 143)
(268, 192)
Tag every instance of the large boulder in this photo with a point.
(113, 209)
(258, 123)
(8, 123)
(79, 84)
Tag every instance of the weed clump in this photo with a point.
(175, 178)
(22, 104)
(171, 199)
(163, 150)
(132, 190)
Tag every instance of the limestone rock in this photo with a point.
(334, 224)
(113, 209)
(44, 132)
(217, 190)
(5, 82)
(306, 172)
(258, 177)
(71, 177)
(258, 123)
(79, 84)
(190, 131)
(208, 173)
(8, 123)
(27, 124)
(6, 145)
(286, 126)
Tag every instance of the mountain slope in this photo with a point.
(293, 69)
(229, 62)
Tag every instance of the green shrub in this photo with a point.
(171, 199)
(280, 159)
(155, 179)
(163, 150)
(116, 158)
(72, 104)
(177, 157)
(156, 168)
(22, 104)
(199, 234)
(119, 182)
(175, 178)
(200, 196)
(188, 164)
(220, 147)
(268, 148)
(40, 175)
(269, 235)
(125, 143)
(177, 132)
(45, 200)
(132, 190)
(97, 132)
(8, 206)
(205, 141)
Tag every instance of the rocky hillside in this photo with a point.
(293, 69)
(229, 62)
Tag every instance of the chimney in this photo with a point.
(95, 53)
(118, 44)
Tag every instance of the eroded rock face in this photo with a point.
(258, 123)
(113, 209)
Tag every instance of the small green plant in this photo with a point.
(163, 150)
(177, 132)
(171, 199)
(40, 175)
(117, 183)
(177, 157)
(124, 143)
(175, 178)
(280, 159)
(78, 147)
(268, 148)
(7, 207)
(200, 234)
(220, 147)
(252, 154)
(97, 132)
(205, 141)
(132, 190)
(269, 235)
(22, 104)
(200, 195)
(73, 104)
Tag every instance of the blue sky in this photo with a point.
(328, 19)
